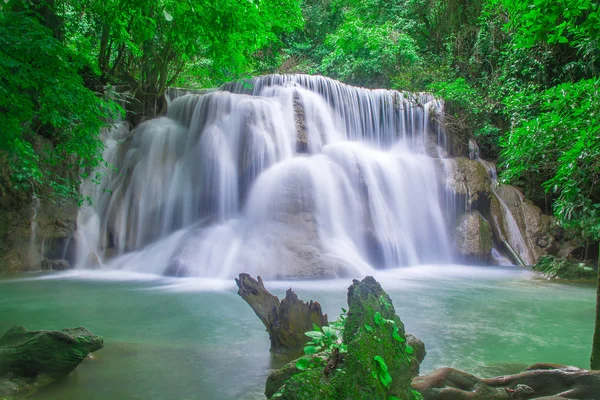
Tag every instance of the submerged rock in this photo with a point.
(562, 268)
(378, 361)
(30, 360)
(286, 321)
(536, 382)
(473, 238)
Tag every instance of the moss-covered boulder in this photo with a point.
(32, 359)
(378, 362)
(561, 268)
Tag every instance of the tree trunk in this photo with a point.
(286, 321)
(595, 360)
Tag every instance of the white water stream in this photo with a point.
(286, 177)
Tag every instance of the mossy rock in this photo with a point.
(30, 360)
(378, 364)
(561, 268)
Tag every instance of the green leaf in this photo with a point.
(314, 335)
(303, 363)
(384, 376)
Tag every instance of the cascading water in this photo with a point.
(286, 176)
(510, 231)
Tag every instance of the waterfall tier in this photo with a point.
(283, 176)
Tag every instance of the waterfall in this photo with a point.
(286, 176)
(509, 230)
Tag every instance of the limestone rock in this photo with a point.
(540, 381)
(378, 364)
(473, 238)
(286, 321)
(467, 180)
(521, 223)
(30, 360)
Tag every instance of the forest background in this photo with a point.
(520, 77)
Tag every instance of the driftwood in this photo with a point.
(286, 321)
(539, 381)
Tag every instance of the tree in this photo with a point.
(41, 92)
(152, 45)
(560, 133)
(58, 56)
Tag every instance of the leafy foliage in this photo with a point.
(159, 44)
(562, 142)
(41, 92)
(58, 56)
(327, 339)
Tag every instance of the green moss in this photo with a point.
(374, 336)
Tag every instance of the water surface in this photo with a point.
(168, 338)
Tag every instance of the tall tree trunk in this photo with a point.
(595, 360)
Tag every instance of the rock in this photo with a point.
(540, 381)
(28, 220)
(521, 223)
(467, 181)
(286, 321)
(59, 265)
(30, 360)
(561, 268)
(278, 377)
(92, 261)
(378, 364)
(565, 248)
(419, 352)
(473, 238)
(300, 122)
(291, 229)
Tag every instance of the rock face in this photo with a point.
(473, 238)
(536, 382)
(32, 359)
(562, 268)
(466, 182)
(521, 224)
(379, 362)
(33, 228)
(286, 321)
(515, 222)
